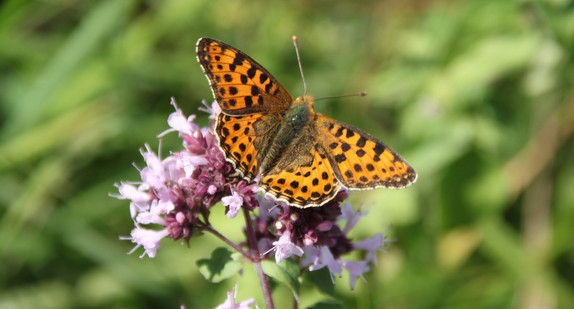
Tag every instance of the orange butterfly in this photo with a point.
(304, 158)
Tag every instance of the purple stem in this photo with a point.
(210, 229)
(257, 261)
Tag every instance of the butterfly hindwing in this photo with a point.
(304, 176)
(361, 161)
(239, 84)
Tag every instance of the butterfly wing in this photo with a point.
(359, 160)
(303, 177)
(239, 84)
(245, 138)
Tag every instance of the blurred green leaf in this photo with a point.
(219, 267)
(322, 279)
(326, 305)
(286, 272)
(82, 43)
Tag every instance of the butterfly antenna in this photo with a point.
(360, 94)
(299, 61)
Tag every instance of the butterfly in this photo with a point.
(304, 158)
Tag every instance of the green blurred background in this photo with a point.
(477, 95)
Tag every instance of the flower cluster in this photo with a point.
(315, 233)
(176, 195)
(178, 192)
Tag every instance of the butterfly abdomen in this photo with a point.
(297, 118)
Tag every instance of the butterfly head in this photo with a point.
(301, 110)
(305, 100)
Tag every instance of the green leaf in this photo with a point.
(287, 272)
(219, 267)
(322, 279)
(326, 305)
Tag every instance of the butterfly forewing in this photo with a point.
(361, 161)
(240, 85)
(237, 140)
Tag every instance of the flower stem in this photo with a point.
(264, 286)
(257, 261)
(235, 246)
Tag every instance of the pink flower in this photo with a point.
(189, 162)
(320, 257)
(149, 217)
(284, 248)
(149, 239)
(130, 192)
(140, 199)
(234, 202)
(212, 109)
(356, 270)
(154, 174)
(371, 245)
(178, 122)
(352, 217)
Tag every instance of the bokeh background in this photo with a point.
(477, 95)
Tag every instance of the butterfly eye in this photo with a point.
(296, 119)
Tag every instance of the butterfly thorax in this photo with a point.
(296, 119)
